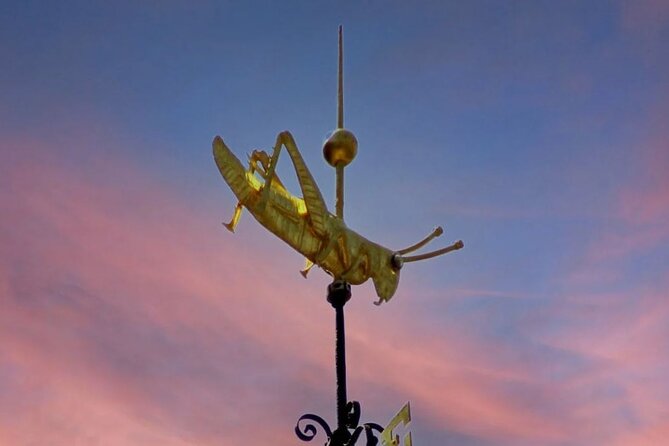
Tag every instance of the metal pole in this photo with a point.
(339, 173)
(340, 83)
(339, 203)
(339, 292)
(348, 412)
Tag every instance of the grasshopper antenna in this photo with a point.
(436, 233)
(454, 247)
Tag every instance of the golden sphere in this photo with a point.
(340, 147)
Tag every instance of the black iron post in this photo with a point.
(348, 412)
(339, 292)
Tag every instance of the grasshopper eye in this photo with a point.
(396, 261)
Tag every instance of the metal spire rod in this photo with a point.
(339, 167)
(339, 150)
(340, 83)
(341, 146)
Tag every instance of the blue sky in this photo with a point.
(534, 131)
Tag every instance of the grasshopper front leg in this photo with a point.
(258, 156)
(270, 173)
(308, 264)
(259, 161)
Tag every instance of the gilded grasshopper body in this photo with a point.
(305, 223)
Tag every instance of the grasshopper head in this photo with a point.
(387, 277)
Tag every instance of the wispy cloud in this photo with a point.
(128, 319)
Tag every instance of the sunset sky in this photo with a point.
(537, 132)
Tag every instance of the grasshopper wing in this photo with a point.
(232, 170)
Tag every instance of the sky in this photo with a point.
(536, 132)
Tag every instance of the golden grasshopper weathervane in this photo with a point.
(325, 240)
(305, 223)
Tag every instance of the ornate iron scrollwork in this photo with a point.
(310, 431)
(342, 436)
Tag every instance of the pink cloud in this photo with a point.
(647, 200)
(637, 222)
(454, 382)
(623, 339)
(130, 317)
(87, 255)
(655, 434)
(647, 16)
(612, 310)
(82, 259)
